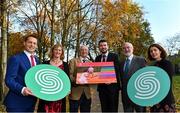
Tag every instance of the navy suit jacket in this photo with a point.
(17, 67)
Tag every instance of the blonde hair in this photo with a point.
(52, 49)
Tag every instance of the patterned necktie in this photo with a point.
(32, 60)
(126, 69)
(103, 58)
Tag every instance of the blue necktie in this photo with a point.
(126, 69)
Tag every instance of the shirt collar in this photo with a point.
(106, 54)
(27, 53)
(130, 57)
(81, 58)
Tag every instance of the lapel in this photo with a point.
(25, 60)
(108, 57)
(132, 63)
(78, 60)
(131, 66)
(123, 65)
(37, 61)
(99, 58)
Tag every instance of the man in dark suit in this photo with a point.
(19, 97)
(128, 68)
(108, 92)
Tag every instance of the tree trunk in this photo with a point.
(78, 32)
(52, 24)
(3, 48)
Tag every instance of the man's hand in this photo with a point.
(108, 83)
(27, 92)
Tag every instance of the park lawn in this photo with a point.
(176, 90)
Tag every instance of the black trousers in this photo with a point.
(83, 103)
(109, 101)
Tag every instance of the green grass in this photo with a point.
(176, 91)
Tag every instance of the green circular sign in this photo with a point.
(48, 82)
(148, 86)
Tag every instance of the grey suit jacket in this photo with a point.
(136, 64)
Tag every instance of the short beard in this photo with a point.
(128, 54)
(104, 52)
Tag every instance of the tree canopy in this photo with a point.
(72, 23)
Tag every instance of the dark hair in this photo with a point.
(27, 36)
(163, 52)
(103, 40)
(56, 46)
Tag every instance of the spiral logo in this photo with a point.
(48, 80)
(146, 85)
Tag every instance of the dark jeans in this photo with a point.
(83, 103)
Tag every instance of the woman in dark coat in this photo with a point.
(157, 54)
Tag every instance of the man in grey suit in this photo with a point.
(129, 66)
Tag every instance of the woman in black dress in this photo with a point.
(157, 54)
(56, 59)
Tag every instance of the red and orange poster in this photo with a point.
(95, 73)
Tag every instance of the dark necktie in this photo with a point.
(84, 60)
(126, 69)
(103, 58)
(32, 60)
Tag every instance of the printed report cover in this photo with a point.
(95, 73)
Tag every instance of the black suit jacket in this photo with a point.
(136, 64)
(114, 86)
